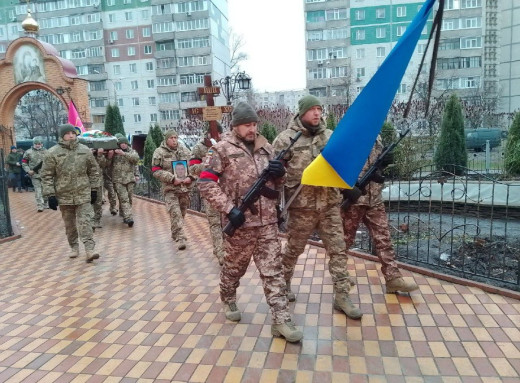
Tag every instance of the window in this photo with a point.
(153, 117)
(113, 35)
(137, 118)
(380, 32)
(471, 3)
(473, 22)
(470, 82)
(151, 101)
(315, 35)
(111, 18)
(194, 78)
(360, 34)
(118, 85)
(402, 89)
(133, 68)
(360, 53)
(189, 96)
(135, 86)
(116, 69)
(471, 42)
(114, 52)
(170, 114)
(150, 84)
(147, 49)
(149, 66)
(380, 52)
(315, 16)
(316, 54)
(359, 14)
(168, 97)
(135, 101)
(131, 51)
(120, 102)
(146, 32)
(75, 20)
(130, 33)
(448, 24)
(76, 37)
(128, 16)
(127, 1)
(401, 11)
(145, 14)
(167, 80)
(336, 14)
(360, 72)
(421, 48)
(400, 30)
(380, 13)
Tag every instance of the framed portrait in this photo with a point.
(180, 169)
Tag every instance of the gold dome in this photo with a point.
(29, 24)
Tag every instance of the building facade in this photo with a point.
(284, 99)
(147, 56)
(509, 69)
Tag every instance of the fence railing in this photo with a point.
(6, 228)
(467, 226)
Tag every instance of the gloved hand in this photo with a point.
(276, 169)
(377, 177)
(93, 197)
(236, 217)
(352, 194)
(53, 202)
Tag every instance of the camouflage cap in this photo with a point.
(37, 141)
(65, 128)
(122, 140)
(169, 133)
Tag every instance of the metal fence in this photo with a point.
(6, 228)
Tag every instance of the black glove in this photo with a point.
(352, 194)
(53, 202)
(93, 197)
(236, 217)
(276, 169)
(377, 177)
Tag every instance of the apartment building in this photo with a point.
(509, 69)
(283, 98)
(148, 56)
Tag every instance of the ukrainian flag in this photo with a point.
(342, 159)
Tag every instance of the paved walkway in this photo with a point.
(146, 312)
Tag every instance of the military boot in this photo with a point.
(182, 244)
(91, 255)
(399, 284)
(232, 312)
(291, 297)
(343, 303)
(288, 331)
(74, 252)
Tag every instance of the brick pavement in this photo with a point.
(146, 312)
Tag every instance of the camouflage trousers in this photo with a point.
(124, 194)
(215, 229)
(112, 197)
(78, 220)
(177, 204)
(263, 244)
(301, 224)
(376, 221)
(98, 205)
(38, 193)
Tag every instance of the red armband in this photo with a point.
(208, 176)
(195, 161)
(155, 168)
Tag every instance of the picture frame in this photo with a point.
(180, 169)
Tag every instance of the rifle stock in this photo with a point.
(258, 189)
(367, 177)
(37, 168)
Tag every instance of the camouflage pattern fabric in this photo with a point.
(315, 208)
(31, 158)
(370, 210)
(263, 245)
(125, 193)
(198, 153)
(108, 185)
(78, 220)
(177, 204)
(123, 177)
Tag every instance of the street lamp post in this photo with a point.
(229, 84)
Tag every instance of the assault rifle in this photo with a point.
(37, 168)
(259, 189)
(375, 167)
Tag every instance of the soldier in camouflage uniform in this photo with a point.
(230, 168)
(69, 177)
(370, 209)
(314, 208)
(32, 162)
(108, 185)
(123, 166)
(176, 192)
(198, 153)
(99, 155)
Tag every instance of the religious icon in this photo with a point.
(28, 64)
(180, 169)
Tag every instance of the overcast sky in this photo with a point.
(273, 32)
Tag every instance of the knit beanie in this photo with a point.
(13, 147)
(169, 133)
(62, 129)
(37, 141)
(122, 140)
(243, 113)
(307, 102)
(118, 135)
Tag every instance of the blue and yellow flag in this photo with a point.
(342, 159)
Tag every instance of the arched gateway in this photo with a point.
(29, 65)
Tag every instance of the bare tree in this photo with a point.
(236, 43)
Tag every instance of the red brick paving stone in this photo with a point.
(7, 373)
(218, 373)
(306, 362)
(274, 360)
(211, 357)
(96, 379)
(39, 361)
(125, 351)
(483, 367)
(401, 333)
(465, 334)
(97, 350)
(242, 359)
(321, 376)
(498, 335)
(340, 364)
(252, 375)
(67, 363)
(374, 365)
(446, 367)
(410, 367)
(356, 348)
(123, 368)
(324, 347)
(492, 350)
(35, 377)
(286, 376)
(181, 355)
(262, 344)
(354, 379)
(233, 343)
(515, 363)
(421, 349)
(432, 334)
(94, 367)
(411, 320)
(503, 320)
(402, 379)
(185, 372)
(153, 370)
(472, 320)
(388, 348)
(152, 354)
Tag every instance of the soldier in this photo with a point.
(370, 210)
(123, 166)
(14, 162)
(230, 168)
(32, 162)
(69, 177)
(198, 154)
(176, 192)
(314, 208)
(101, 160)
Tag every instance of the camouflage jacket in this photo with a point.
(12, 159)
(304, 151)
(123, 167)
(162, 167)
(69, 172)
(373, 191)
(33, 157)
(230, 170)
(198, 153)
